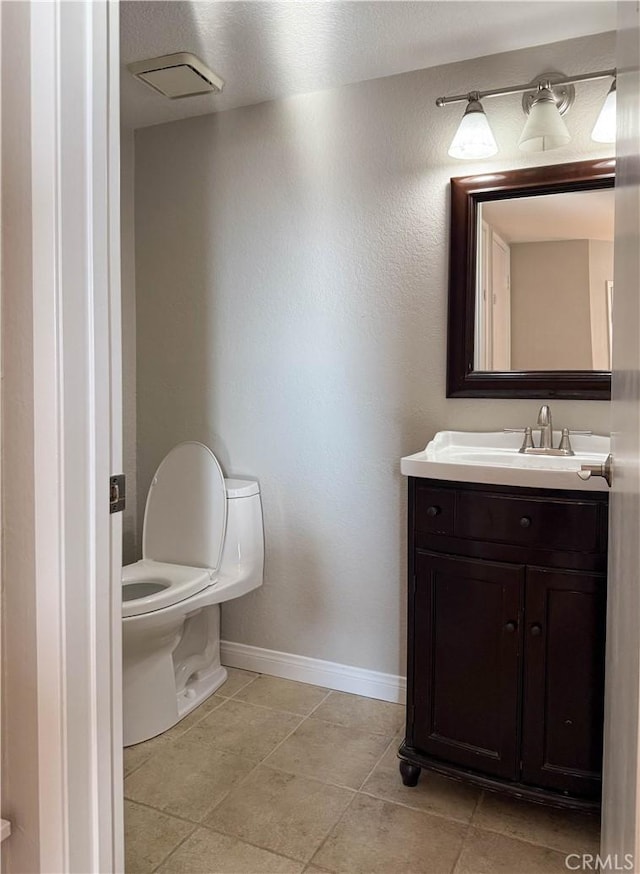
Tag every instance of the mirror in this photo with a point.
(544, 280)
(531, 283)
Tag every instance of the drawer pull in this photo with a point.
(525, 522)
(510, 627)
(536, 630)
(433, 511)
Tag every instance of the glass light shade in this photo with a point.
(474, 138)
(544, 128)
(604, 130)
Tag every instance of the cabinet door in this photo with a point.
(467, 633)
(564, 681)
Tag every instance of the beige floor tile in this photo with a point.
(565, 831)
(207, 852)
(434, 793)
(375, 837)
(281, 812)
(236, 680)
(187, 778)
(133, 757)
(280, 694)
(149, 837)
(331, 753)
(136, 755)
(489, 853)
(139, 753)
(244, 730)
(357, 712)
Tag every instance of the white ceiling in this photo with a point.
(265, 50)
(577, 215)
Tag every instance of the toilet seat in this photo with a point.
(183, 532)
(173, 583)
(185, 516)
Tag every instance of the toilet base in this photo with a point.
(171, 665)
(199, 689)
(191, 697)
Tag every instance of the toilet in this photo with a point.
(202, 544)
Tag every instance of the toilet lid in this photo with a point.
(186, 512)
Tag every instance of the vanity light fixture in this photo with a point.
(545, 101)
(474, 137)
(604, 130)
(545, 128)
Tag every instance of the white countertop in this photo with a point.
(493, 458)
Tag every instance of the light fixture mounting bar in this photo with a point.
(520, 89)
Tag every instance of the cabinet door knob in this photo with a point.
(536, 630)
(525, 522)
(510, 627)
(433, 510)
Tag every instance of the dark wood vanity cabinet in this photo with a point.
(507, 602)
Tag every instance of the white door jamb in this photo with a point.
(75, 217)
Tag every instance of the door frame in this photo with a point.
(621, 771)
(75, 219)
(497, 241)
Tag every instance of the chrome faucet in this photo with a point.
(546, 427)
(546, 446)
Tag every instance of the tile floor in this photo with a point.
(274, 776)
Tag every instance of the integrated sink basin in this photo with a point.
(494, 458)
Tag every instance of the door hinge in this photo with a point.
(117, 493)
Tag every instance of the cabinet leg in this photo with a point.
(410, 773)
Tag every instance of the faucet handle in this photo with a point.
(527, 442)
(565, 443)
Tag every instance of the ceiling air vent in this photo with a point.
(178, 75)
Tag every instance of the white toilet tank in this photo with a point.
(244, 538)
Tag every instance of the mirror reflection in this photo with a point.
(544, 282)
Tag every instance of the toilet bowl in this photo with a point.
(202, 544)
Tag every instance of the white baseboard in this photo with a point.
(317, 672)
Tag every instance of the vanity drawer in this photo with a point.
(562, 525)
(435, 510)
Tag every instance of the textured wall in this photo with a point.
(291, 312)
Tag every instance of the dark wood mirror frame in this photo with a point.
(466, 193)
